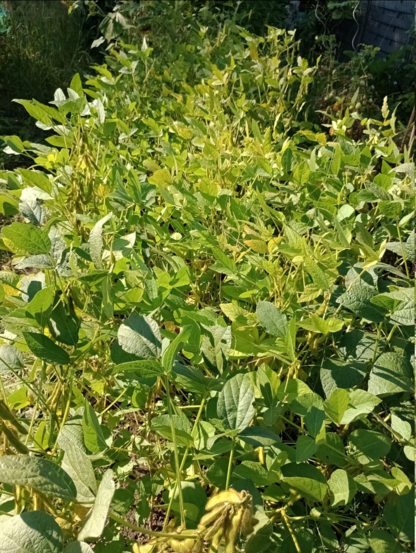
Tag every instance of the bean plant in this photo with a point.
(207, 310)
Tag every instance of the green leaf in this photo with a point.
(301, 173)
(42, 113)
(169, 355)
(235, 402)
(400, 304)
(72, 433)
(355, 543)
(145, 368)
(255, 472)
(14, 146)
(399, 515)
(332, 451)
(203, 433)
(272, 319)
(95, 521)
(216, 347)
(140, 336)
(364, 237)
(361, 403)
(19, 398)
(189, 378)
(63, 326)
(163, 426)
(358, 346)
(260, 539)
(79, 468)
(322, 326)
(358, 300)
(93, 434)
(338, 374)
(40, 304)
(227, 265)
(259, 436)
(314, 420)
(342, 488)
(43, 348)
(237, 314)
(382, 542)
(305, 448)
(161, 178)
(367, 445)
(391, 374)
(194, 500)
(292, 389)
(306, 479)
(319, 277)
(269, 383)
(337, 404)
(96, 241)
(28, 239)
(290, 339)
(36, 178)
(37, 473)
(407, 251)
(401, 427)
(32, 532)
(410, 247)
(76, 85)
(336, 160)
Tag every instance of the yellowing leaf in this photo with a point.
(162, 177)
(259, 246)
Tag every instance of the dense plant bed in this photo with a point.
(207, 319)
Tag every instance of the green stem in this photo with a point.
(176, 455)
(150, 532)
(65, 415)
(201, 407)
(230, 467)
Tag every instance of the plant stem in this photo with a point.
(201, 408)
(176, 455)
(114, 402)
(150, 532)
(230, 467)
(291, 532)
